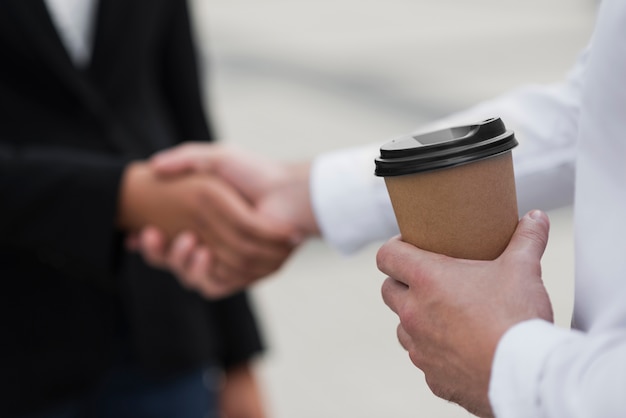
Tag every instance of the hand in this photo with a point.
(241, 395)
(453, 312)
(244, 244)
(278, 190)
(185, 257)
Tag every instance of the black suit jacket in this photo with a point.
(71, 294)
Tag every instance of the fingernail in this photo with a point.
(539, 216)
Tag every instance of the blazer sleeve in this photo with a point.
(238, 331)
(59, 204)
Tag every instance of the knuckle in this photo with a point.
(416, 358)
(386, 291)
(382, 257)
(436, 388)
(407, 317)
(386, 287)
(536, 236)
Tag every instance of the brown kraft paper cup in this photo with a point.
(453, 191)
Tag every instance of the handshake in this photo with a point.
(217, 217)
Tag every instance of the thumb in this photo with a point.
(185, 158)
(531, 235)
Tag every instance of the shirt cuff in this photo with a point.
(518, 365)
(351, 204)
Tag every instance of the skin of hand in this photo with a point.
(245, 244)
(241, 395)
(453, 312)
(277, 190)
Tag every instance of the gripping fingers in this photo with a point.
(195, 271)
(151, 242)
(180, 257)
(239, 266)
(394, 294)
(404, 338)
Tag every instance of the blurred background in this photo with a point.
(293, 78)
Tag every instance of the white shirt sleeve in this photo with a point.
(350, 204)
(540, 370)
(352, 207)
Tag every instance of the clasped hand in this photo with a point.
(215, 216)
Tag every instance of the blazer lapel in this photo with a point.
(42, 33)
(111, 28)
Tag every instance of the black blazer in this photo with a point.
(71, 293)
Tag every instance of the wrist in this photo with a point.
(300, 179)
(130, 216)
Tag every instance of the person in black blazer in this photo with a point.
(78, 310)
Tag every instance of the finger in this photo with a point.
(263, 232)
(198, 273)
(404, 338)
(250, 260)
(405, 262)
(227, 280)
(239, 256)
(531, 236)
(200, 265)
(202, 273)
(394, 294)
(152, 246)
(216, 290)
(213, 290)
(180, 254)
(242, 234)
(188, 157)
(238, 214)
(214, 286)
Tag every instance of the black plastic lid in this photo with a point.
(445, 148)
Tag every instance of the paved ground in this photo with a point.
(295, 78)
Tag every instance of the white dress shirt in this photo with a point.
(572, 142)
(75, 23)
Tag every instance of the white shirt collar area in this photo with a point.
(74, 21)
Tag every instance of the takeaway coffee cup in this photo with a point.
(453, 190)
